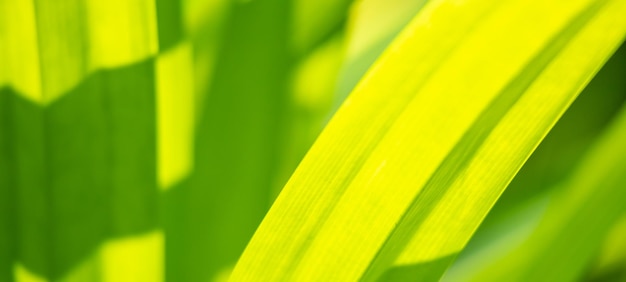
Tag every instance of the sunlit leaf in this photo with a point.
(422, 148)
(522, 205)
(579, 216)
(372, 25)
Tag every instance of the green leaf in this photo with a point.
(238, 137)
(314, 21)
(311, 95)
(566, 144)
(79, 107)
(578, 218)
(372, 25)
(522, 205)
(7, 208)
(612, 256)
(420, 151)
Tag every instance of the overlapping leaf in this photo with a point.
(422, 148)
(578, 218)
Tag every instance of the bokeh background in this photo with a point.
(144, 140)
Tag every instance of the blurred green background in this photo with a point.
(144, 140)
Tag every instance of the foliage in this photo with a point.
(147, 140)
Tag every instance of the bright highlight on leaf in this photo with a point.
(428, 140)
(145, 140)
(578, 217)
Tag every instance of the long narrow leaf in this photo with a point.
(425, 144)
(579, 216)
(520, 208)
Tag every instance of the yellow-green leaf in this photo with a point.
(422, 148)
(579, 216)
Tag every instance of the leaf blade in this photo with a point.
(321, 233)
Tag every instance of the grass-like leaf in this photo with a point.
(422, 148)
(372, 25)
(578, 218)
(510, 223)
(79, 135)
